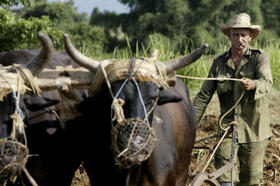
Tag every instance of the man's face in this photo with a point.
(240, 38)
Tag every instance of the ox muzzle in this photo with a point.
(133, 139)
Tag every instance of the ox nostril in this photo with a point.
(51, 130)
(138, 141)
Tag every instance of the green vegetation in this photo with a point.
(203, 64)
(273, 51)
(16, 33)
(102, 35)
(6, 3)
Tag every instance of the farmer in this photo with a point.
(253, 126)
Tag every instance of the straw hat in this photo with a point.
(241, 20)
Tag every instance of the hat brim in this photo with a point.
(255, 30)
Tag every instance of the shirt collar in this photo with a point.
(229, 63)
(247, 53)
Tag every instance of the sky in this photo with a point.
(88, 5)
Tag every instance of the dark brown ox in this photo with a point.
(168, 111)
(52, 163)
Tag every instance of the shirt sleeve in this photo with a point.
(205, 95)
(264, 77)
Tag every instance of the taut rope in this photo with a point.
(200, 78)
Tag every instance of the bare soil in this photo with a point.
(208, 127)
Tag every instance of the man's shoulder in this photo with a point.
(258, 54)
(221, 56)
(257, 51)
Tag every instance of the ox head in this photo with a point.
(10, 104)
(136, 87)
(13, 151)
(151, 80)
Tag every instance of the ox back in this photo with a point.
(175, 128)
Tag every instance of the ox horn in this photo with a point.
(184, 61)
(154, 55)
(36, 64)
(78, 57)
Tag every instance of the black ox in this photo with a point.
(90, 133)
(46, 139)
(169, 112)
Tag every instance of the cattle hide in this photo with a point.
(53, 161)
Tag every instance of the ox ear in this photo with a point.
(35, 103)
(168, 97)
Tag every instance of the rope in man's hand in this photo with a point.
(247, 84)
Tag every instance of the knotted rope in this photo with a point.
(11, 82)
(14, 152)
(118, 110)
(28, 79)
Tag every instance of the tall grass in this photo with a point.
(201, 67)
(273, 52)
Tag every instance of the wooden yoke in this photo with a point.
(48, 79)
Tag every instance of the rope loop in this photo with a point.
(233, 107)
(225, 129)
(28, 78)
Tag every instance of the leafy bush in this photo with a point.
(16, 33)
(88, 39)
(13, 2)
(62, 14)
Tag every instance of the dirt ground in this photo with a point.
(208, 127)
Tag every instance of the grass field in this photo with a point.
(198, 69)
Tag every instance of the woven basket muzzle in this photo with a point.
(133, 141)
(13, 156)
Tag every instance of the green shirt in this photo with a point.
(253, 110)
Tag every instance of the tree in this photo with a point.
(90, 39)
(16, 33)
(5, 3)
(271, 18)
(61, 13)
(63, 17)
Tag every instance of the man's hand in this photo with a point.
(248, 84)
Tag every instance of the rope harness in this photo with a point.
(233, 125)
(14, 152)
(133, 139)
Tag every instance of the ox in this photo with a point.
(142, 100)
(47, 141)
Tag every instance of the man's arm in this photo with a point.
(205, 95)
(264, 77)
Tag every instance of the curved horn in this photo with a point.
(36, 64)
(184, 61)
(154, 55)
(78, 57)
